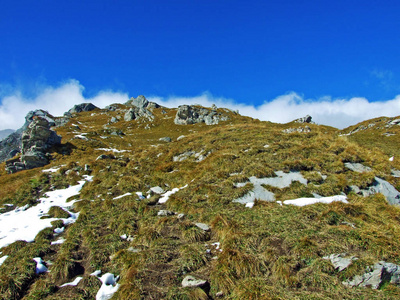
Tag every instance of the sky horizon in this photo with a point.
(272, 60)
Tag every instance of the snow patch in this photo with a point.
(73, 283)
(2, 259)
(310, 201)
(122, 196)
(40, 267)
(25, 223)
(166, 195)
(108, 288)
(111, 149)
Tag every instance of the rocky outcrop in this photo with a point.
(141, 102)
(36, 140)
(140, 109)
(81, 107)
(11, 145)
(138, 113)
(306, 119)
(188, 114)
(376, 275)
(305, 129)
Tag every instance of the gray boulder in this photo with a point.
(188, 114)
(340, 261)
(190, 281)
(382, 272)
(357, 167)
(82, 107)
(36, 140)
(306, 119)
(138, 113)
(203, 226)
(165, 139)
(142, 102)
(11, 145)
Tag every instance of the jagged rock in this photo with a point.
(190, 281)
(377, 275)
(136, 112)
(306, 119)
(142, 102)
(188, 114)
(165, 139)
(82, 107)
(340, 261)
(35, 141)
(111, 107)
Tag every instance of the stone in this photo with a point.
(165, 139)
(306, 119)
(82, 107)
(180, 137)
(203, 226)
(357, 167)
(113, 120)
(104, 156)
(165, 213)
(305, 129)
(36, 140)
(378, 274)
(188, 114)
(340, 261)
(190, 281)
(157, 190)
(136, 113)
(180, 216)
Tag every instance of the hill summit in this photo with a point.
(140, 201)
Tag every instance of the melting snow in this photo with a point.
(25, 223)
(58, 242)
(166, 195)
(113, 150)
(309, 201)
(52, 170)
(121, 196)
(73, 283)
(259, 192)
(2, 259)
(108, 288)
(40, 267)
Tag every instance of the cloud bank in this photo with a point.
(56, 100)
(338, 113)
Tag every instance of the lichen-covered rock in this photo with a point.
(188, 114)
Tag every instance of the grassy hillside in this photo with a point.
(269, 251)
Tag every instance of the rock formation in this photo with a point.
(188, 114)
(36, 141)
(81, 107)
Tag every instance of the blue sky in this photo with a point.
(245, 53)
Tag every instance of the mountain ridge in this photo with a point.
(158, 202)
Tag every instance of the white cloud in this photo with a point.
(339, 113)
(56, 100)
